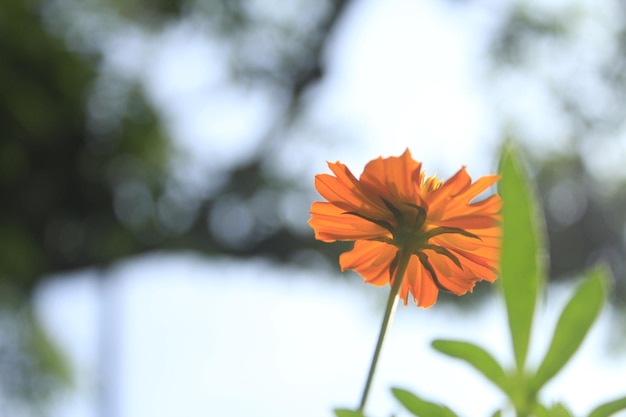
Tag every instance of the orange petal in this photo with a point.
(457, 281)
(419, 282)
(473, 222)
(331, 223)
(481, 185)
(393, 177)
(371, 260)
(466, 243)
(482, 267)
(455, 196)
(361, 195)
(338, 193)
(488, 206)
(450, 188)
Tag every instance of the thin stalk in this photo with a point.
(392, 303)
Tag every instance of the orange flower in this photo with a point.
(453, 241)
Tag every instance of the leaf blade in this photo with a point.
(557, 410)
(420, 407)
(610, 408)
(522, 246)
(574, 322)
(476, 356)
(344, 412)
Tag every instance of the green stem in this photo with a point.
(392, 303)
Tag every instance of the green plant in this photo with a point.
(523, 269)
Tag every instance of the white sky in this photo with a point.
(224, 338)
(399, 87)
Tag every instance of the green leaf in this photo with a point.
(573, 325)
(541, 411)
(475, 356)
(342, 412)
(420, 407)
(610, 408)
(557, 410)
(522, 249)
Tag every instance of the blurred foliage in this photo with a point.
(64, 187)
(85, 169)
(586, 221)
(575, 152)
(74, 195)
(86, 163)
(31, 367)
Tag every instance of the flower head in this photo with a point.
(454, 241)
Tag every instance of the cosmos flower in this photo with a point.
(453, 241)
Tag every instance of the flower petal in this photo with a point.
(455, 196)
(420, 284)
(449, 189)
(371, 260)
(457, 281)
(338, 193)
(332, 223)
(488, 207)
(353, 191)
(393, 178)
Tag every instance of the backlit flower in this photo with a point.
(454, 240)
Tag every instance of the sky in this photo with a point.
(218, 337)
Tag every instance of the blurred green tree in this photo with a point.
(62, 188)
(571, 122)
(85, 166)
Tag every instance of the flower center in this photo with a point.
(409, 232)
(410, 235)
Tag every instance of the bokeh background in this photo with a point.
(156, 173)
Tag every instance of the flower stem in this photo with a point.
(392, 303)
